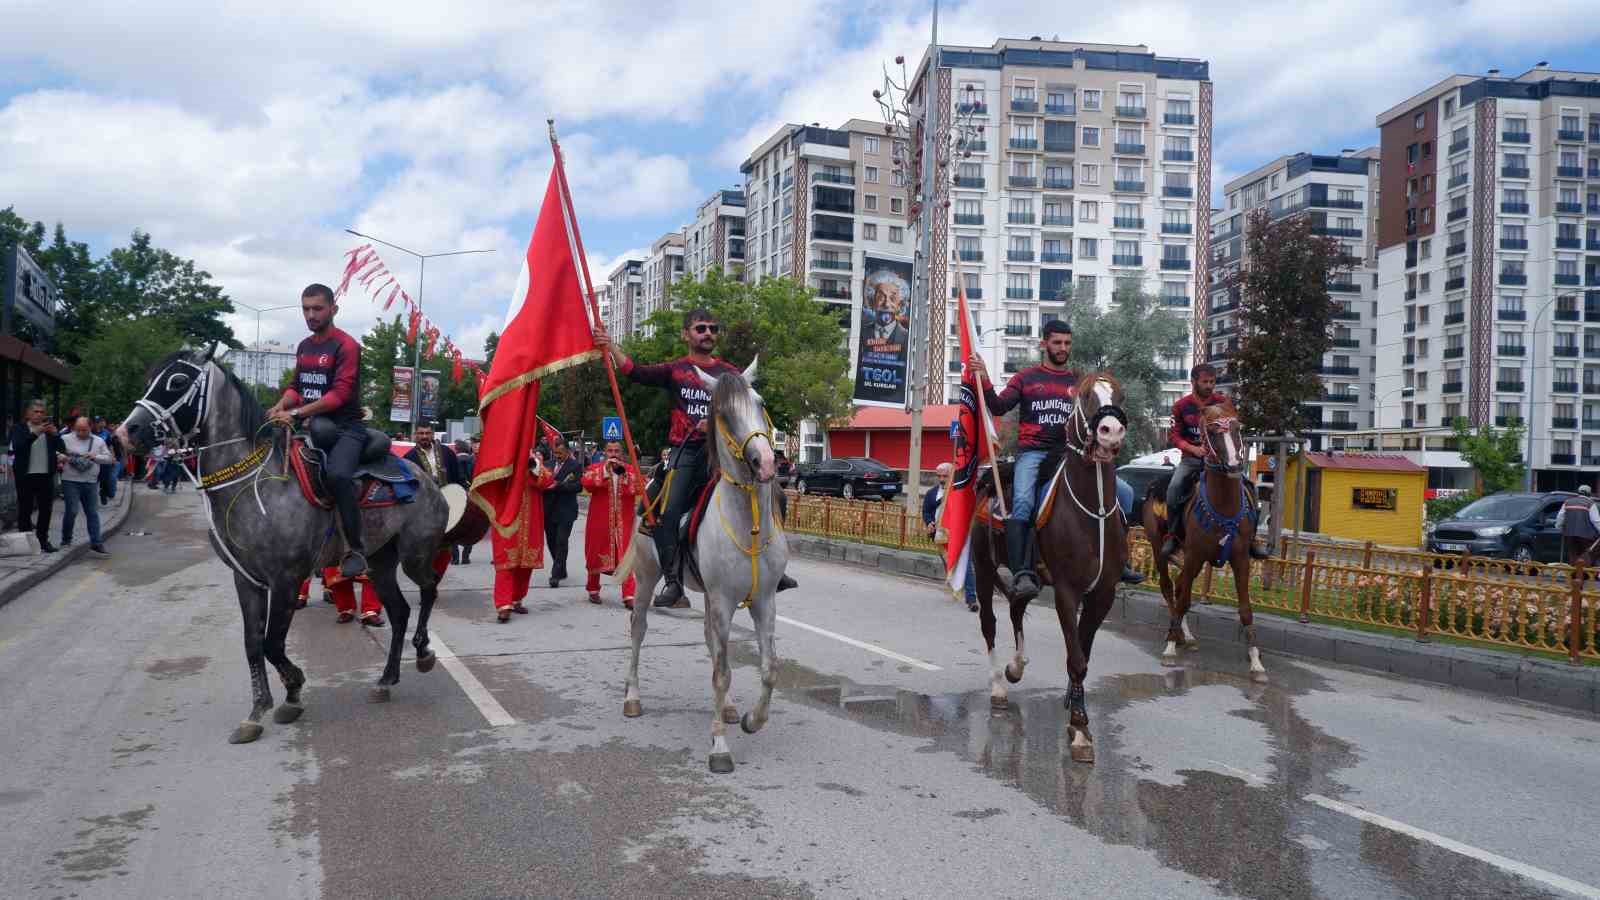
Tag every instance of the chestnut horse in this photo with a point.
(1082, 545)
(1219, 526)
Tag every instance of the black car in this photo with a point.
(1140, 478)
(851, 477)
(1506, 526)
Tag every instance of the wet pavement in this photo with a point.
(875, 777)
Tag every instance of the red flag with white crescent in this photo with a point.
(961, 501)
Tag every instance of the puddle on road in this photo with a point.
(181, 667)
(103, 846)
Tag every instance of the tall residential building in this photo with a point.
(716, 239)
(602, 292)
(1489, 263)
(1094, 166)
(1339, 194)
(662, 269)
(262, 364)
(623, 289)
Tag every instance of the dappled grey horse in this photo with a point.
(263, 527)
(741, 550)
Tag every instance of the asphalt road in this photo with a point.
(121, 679)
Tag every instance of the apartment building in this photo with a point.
(661, 270)
(1339, 194)
(261, 364)
(1489, 263)
(623, 288)
(1094, 166)
(716, 238)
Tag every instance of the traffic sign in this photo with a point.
(611, 428)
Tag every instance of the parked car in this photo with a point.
(850, 477)
(1506, 526)
(1139, 478)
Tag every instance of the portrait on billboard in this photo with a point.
(883, 336)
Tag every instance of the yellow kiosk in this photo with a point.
(1374, 497)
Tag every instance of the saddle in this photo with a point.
(384, 478)
(688, 525)
(989, 507)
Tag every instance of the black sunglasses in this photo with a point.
(704, 328)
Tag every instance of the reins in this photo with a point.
(1078, 439)
(756, 548)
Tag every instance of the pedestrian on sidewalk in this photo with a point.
(932, 512)
(561, 507)
(614, 488)
(36, 449)
(108, 471)
(171, 469)
(86, 453)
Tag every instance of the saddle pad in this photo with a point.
(384, 484)
(699, 512)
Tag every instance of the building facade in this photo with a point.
(1489, 264)
(716, 238)
(263, 364)
(1339, 194)
(661, 270)
(622, 292)
(1093, 167)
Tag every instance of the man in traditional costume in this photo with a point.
(614, 487)
(516, 555)
(438, 462)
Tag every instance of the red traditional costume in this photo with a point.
(517, 555)
(610, 525)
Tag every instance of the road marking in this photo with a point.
(870, 648)
(471, 686)
(1531, 873)
(1251, 777)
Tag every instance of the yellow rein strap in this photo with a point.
(756, 548)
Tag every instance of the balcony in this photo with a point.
(1340, 398)
(1575, 135)
(1566, 315)
(1226, 306)
(1455, 284)
(1024, 106)
(1569, 171)
(1048, 257)
(1131, 112)
(1454, 352)
(1454, 318)
(1336, 425)
(1345, 343)
(1122, 259)
(969, 182)
(1592, 425)
(1516, 137)
(1454, 249)
(1057, 184)
(1332, 231)
(1057, 221)
(1022, 181)
(968, 218)
(1591, 351)
(1024, 143)
(1567, 279)
(1509, 387)
(1507, 421)
(1059, 146)
(1019, 256)
(1222, 331)
(1019, 293)
(1451, 387)
(847, 207)
(1564, 387)
(1408, 423)
(1060, 109)
(1178, 118)
(1513, 278)
(1178, 155)
(1593, 244)
(1174, 265)
(1456, 181)
(1456, 214)
(1590, 389)
(1563, 459)
(1459, 146)
(1514, 209)
(969, 255)
(1019, 330)
(1176, 228)
(1346, 371)
(1591, 313)
(1173, 302)
(976, 145)
(1569, 423)
(1129, 149)
(1569, 208)
(1123, 222)
(832, 178)
(1128, 187)
(1348, 315)
(1017, 218)
(1513, 243)
(833, 292)
(1344, 287)
(979, 108)
(973, 293)
(842, 265)
(1570, 243)
(1511, 315)
(1511, 350)
(1515, 172)
(1176, 191)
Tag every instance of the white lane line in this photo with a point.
(870, 648)
(471, 686)
(1531, 873)
(1251, 777)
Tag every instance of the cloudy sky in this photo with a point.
(250, 138)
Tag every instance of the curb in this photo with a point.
(1486, 671)
(31, 578)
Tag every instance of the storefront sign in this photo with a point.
(1374, 498)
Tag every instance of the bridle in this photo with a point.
(737, 449)
(1080, 437)
(1213, 461)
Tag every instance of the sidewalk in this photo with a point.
(19, 574)
(1499, 672)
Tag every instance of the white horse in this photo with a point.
(741, 551)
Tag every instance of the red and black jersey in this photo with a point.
(1188, 421)
(330, 366)
(691, 401)
(1046, 397)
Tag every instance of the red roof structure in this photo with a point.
(884, 434)
(1364, 462)
(880, 417)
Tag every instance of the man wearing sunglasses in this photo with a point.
(690, 463)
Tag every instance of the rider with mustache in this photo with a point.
(1046, 393)
(1188, 436)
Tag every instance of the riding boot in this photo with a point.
(355, 561)
(1019, 538)
(786, 583)
(671, 593)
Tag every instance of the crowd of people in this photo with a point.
(79, 460)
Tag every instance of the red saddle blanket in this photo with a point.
(374, 494)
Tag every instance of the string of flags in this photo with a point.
(366, 270)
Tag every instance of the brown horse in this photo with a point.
(1083, 547)
(1219, 526)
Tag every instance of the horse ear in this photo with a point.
(706, 381)
(750, 370)
(210, 352)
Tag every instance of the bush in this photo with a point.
(1446, 507)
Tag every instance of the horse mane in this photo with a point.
(731, 392)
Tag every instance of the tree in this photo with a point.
(1129, 340)
(1286, 319)
(490, 344)
(75, 275)
(1494, 453)
(14, 228)
(383, 347)
(142, 280)
(115, 364)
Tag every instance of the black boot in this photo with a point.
(1129, 576)
(354, 563)
(1024, 584)
(1259, 552)
(671, 594)
(786, 583)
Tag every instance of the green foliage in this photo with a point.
(112, 374)
(1129, 339)
(382, 348)
(1444, 508)
(1286, 319)
(1494, 453)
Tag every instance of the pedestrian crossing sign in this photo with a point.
(611, 428)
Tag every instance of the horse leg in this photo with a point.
(1241, 585)
(253, 607)
(421, 574)
(765, 613)
(1019, 659)
(646, 574)
(381, 569)
(983, 578)
(280, 613)
(717, 621)
(1183, 595)
(1082, 744)
(1175, 630)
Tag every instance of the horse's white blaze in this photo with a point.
(1255, 660)
(1102, 393)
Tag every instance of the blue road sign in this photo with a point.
(611, 428)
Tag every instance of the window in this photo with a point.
(1091, 136)
(1129, 173)
(1130, 136)
(1023, 92)
(1178, 143)
(1130, 99)
(1055, 247)
(1423, 287)
(1177, 107)
(1019, 281)
(1509, 232)
(1570, 123)
(1088, 248)
(1057, 213)
(869, 144)
(1127, 212)
(1449, 107)
(870, 201)
(869, 231)
(1089, 211)
(1420, 121)
(968, 210)
(1022, 168)
(1126, 249)
(1427, 215)
(1516, 124)
(1274, 183)
(872, 175)
(1178, 218)
(1057, 175)
(967, 246)
(897, 205)
(1087, 288)
(1511, 340)
(1427, 183)
(970, 172)
(1023, 130)
(1516, 196)
(897, 234)
(1511, 303)
(1091, 99)
(1425, 249)
(1020, 244)
(1090, 173)
(1058, 101)
(1022, 207)
(1411, 155)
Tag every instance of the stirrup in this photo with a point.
(353, 565)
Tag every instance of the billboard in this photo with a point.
(400, 400)
(28, 293)
(882, 337)
(430, 395)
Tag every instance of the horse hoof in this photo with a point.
(1190, 644)
(245, 733)
(1083, 754)
(378, 695)
(425, 663)
(730, 715)
(722, 763)
(632, 709)
(287, 713)
(1169, 661)
(1012, 675)
(999, 702)
(745, 724)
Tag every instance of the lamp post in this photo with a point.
(1533, 394)
(422, 271)
(258, 310)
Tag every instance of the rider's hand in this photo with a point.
(601, 339)
(282, 417)
(704, 426)
(979, 370)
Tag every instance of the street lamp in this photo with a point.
(1533, 394)
(422, 271)
(260, 362)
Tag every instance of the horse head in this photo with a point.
(175, 400)
(739, 419)
(1099, 424)
(1224, 446)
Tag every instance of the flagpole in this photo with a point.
(983, 405)
(591, 305)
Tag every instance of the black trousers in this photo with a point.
(36, 496)
(343, 460)
(557, 532)
(688, 473)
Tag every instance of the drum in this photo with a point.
(467, 524)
